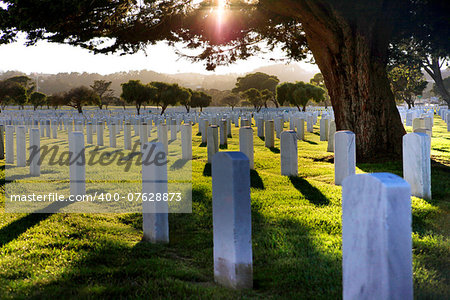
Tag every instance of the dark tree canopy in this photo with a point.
(299, 94)
(55, 100)
(254, 97)
(319, 81)
(79, 97)
(349, 40)
(104, 92)
(200, 99)
(38, 99)
(232, 100)
(260, 81)
(407, 82)
(134, 92)
(169, 94)
(12, 93)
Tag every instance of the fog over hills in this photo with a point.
(54, 83)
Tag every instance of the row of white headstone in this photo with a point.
(416, 147)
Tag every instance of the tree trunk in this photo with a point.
(351, 52)
(276, 103)
(138, 109)
(434, 71)
(304, 107)
(80, 109)
(163, 109)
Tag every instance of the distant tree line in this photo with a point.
(257, 89)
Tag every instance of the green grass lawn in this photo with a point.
(296, 230)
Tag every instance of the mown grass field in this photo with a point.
(296, 225)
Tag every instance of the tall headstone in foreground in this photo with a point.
(21, 146)
(89, 139)
(376, 237)
(223, 132)
(260, 126)
(112, 135)
(77, 168)
(289, 153)
(416, 164)
(99, 133)
(205, 125)
(2, 144)
(344, 155)
(9, 144)
(448, 121)
(269, 138)
(301, 129)
(35, 152)
(127, 136)
(143, 135)
(173, 130)
(162, 137)
(233, 263)
(246, 143)
(324, 129)
(213, 141)
(155, 220)
(186, 141)
(310, 123)
(55, 129)
(331, 132)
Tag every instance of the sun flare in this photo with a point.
(220, 12)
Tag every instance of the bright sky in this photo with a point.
(52, 58)
(55, 58)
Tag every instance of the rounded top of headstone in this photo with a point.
(345, 132)
(229, 156)
(286, 132)
(413, 135)
(386, 179)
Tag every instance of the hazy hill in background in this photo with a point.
(54, 83)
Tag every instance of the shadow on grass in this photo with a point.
(256, 180)
(274, 150)
(178, 164)
(14, 229)
(291, 260)
(328, 159)
(287, 258)
(198, 134)
(311, 193)
(223, 146)
(262, 138)
(207, 170)
(9, 179)
(202, 145)
(310, 142)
